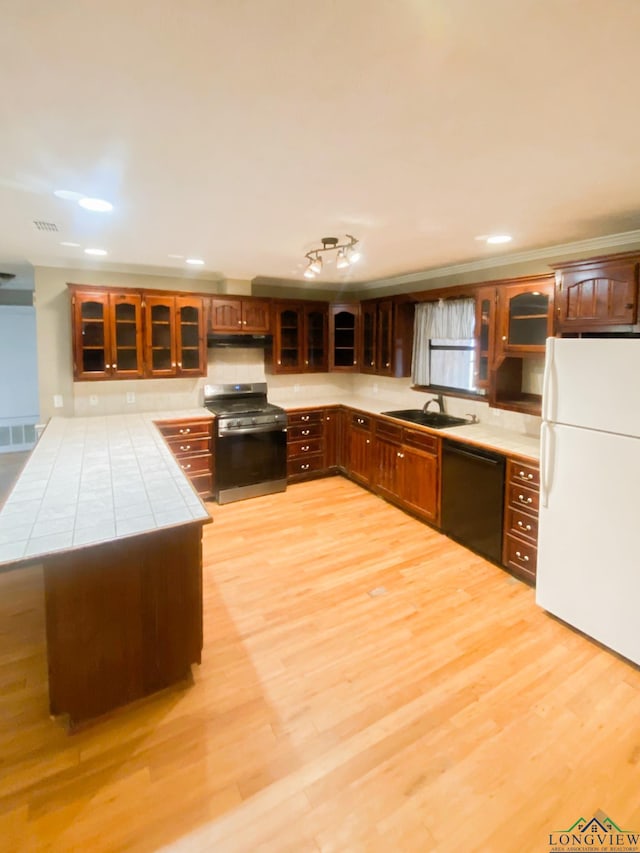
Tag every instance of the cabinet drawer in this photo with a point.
(202, 483)
(527, 475)
(180, 429)
(522, 497)
(305, 466)
(360, 421)
(520, 524)
(421, 440)
(198, 464)
(306, 447)
(392, 432)
(186, 445)
(299, 433)
(311, 416)
(521, 557)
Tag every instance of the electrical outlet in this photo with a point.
(131, 396)
(58, 402)
(93, 400)
(296, 389)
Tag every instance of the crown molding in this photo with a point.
(595, 244)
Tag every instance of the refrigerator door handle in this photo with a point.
(547, 407)
(546, 453)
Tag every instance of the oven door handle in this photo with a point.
(225, 433)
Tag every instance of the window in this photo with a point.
(444, 345)
(452, 363)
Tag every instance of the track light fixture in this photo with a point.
(347, 254)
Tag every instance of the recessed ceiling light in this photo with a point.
(196, 262)
(499, 238)
(68, 195)
(71, 245)
(95, 252)
(97, 205)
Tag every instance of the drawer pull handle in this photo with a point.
(525, 476)
(306, 447)
(185, 431)
(185, 447)
(522, 558)
(186, 467)
(524, 500)
(526, 527)
(304, 467)
(305, 432)
(304, 417)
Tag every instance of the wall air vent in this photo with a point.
(41, 225)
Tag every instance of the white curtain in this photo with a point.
(448, 319)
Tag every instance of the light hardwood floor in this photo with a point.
(447, 713)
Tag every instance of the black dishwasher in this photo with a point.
(473, 497)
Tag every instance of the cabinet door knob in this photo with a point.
(239, 322)
(367, 442)
(107, 366)
(504, 337)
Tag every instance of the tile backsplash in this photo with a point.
(247, 365)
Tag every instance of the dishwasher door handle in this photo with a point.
(477, 456)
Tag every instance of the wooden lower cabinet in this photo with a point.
(305, 444)
(360, 447)
(191, 442)
(123, 619)
(522, 494)
(406, 469)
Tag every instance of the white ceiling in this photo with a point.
(243, 131)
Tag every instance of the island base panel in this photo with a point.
(124, 619)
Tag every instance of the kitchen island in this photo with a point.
(105, 508)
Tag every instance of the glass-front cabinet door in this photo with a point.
(526, 314)
(160, 338)
(343, 337)
(126, 335)
(191, 343)
(315, 326)
(385, 338)
(485, 314)
(288, 338)
(92, 350)
(369, 313)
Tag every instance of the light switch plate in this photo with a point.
(131, 396)
(93, 400)
(57, 401)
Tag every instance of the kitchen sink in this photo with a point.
(435, 420)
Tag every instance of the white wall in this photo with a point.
(18, 377)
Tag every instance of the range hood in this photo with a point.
(219, 339)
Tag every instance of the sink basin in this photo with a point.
(435, 420)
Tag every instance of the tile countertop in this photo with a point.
(95, 479)
(480, 434)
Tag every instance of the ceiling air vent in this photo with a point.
(41, 225)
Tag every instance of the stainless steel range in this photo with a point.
(250, 441)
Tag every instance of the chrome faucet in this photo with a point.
(439, 400)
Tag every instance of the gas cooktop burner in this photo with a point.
(243, 407)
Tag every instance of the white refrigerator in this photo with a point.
(588, 570)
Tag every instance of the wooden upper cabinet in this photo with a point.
(191, 342)
(299, 338)
(136, 334)
(344, 337)
(525, 315)
(386, 337)
(239, 314)
(486, 298)
(107, 334)
(596, 294)
(175, 343)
